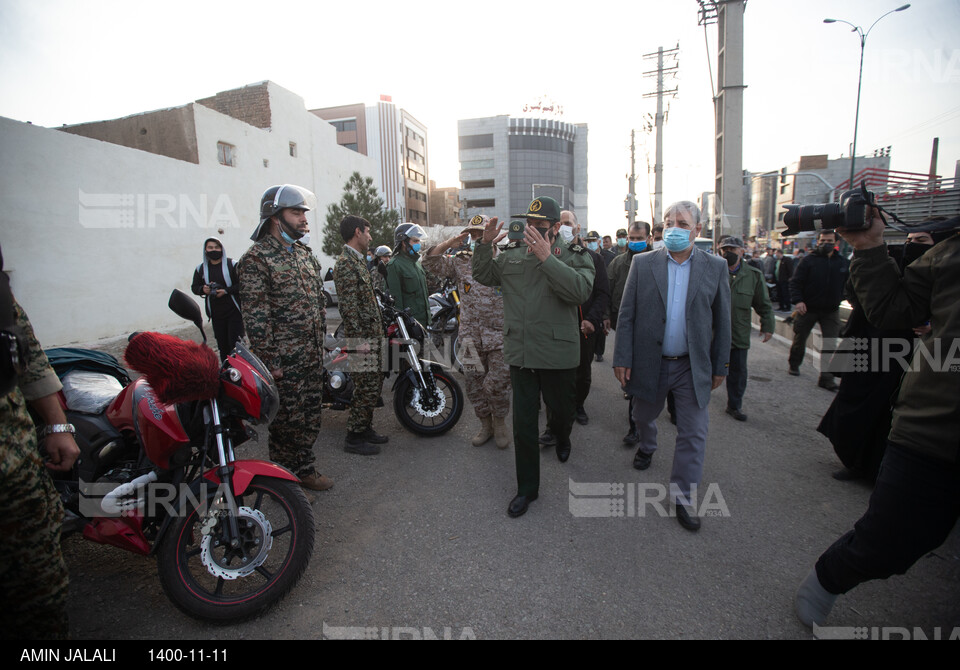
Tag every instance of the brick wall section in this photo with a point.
(167, 132)
(250, 104)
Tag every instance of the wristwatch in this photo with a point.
(59, 428)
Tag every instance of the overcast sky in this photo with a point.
(69, 61)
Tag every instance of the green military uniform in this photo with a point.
(407, 283)
(362, 323)
(748, 291)
(541, 336)
(33, 575)
(281, 290)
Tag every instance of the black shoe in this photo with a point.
(373, 437)
(641, 461)
(848, 475)
(631, 438)
(582, 417)
(563, 450)
(548, 439)
(599, 358)
(794, 371)
(518, 506)
(691, 523)
(829, 385)
(736, 414)
(355, 444)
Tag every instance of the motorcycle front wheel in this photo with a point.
(432, 410)
(207, 579)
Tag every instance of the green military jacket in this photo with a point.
(407, 283)
(617, 273)
(748, 290)
(355, 298)
(540, 301)
(281, 290)
(926, 415)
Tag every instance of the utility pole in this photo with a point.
(728, 112)
(659, 119)
(630, 204)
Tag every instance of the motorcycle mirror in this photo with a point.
(186, 307)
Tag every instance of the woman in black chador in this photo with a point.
(216, 280)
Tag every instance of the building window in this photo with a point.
(476, 165)
(344, 126)
(293, 149)
(481, 203)
(226, 153)
(480, 183)
(352, 146)
(476, 141)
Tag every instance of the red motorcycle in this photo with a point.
(158, 474)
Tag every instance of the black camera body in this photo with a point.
(214, 287)
(850, 213)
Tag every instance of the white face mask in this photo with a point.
(566, 233)
(305, 240)
(658, 244)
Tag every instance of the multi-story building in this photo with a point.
(397, 141)
(507, 161)
(444, 205)
(127, 203)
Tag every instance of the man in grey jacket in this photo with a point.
(673, 334)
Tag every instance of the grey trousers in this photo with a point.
(692, 424)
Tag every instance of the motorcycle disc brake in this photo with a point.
(417, 405)
(256, 539)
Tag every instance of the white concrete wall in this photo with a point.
(96, 235)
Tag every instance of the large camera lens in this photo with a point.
(804, 218)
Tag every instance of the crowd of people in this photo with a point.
(539, 298)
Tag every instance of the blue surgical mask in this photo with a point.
(415, 248)
(592, 246)
(621, 241)
(369, 258)
(676, 239)
(636, 246)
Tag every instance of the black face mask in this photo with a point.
(825, 248)
(914, 250)
(215, 255)
(731, 258)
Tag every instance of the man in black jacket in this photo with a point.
(782, 273)
(817, 290)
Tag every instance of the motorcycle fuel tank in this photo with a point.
(157, 426)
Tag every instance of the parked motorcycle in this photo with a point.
(426, 398)
(158, 475)
(445, 326)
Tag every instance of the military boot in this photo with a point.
(486, 431)
(501, 433)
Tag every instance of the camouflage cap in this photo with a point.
(730, 241)
(515, 230)
(622, 232)
(477, 222)
(543, 208)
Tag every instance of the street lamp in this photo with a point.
(863, 42)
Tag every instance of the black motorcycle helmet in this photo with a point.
(277, 198)
(405, 231)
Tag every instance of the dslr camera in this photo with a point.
(850, 213)
(215, 286)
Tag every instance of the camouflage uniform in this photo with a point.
(281, 290)
(33, 575)
(361, 321)
(379, 281)
(481, 331)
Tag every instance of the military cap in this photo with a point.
(515, 230)
(543, 208)
(730, 241)
(592, 236)
(622, 232)
(477, 223)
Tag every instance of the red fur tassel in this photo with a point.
(178, 371)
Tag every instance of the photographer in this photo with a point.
(916, 501)
(221, 291)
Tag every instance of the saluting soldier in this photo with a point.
(543, 280)
(363, 327)
(481, 330)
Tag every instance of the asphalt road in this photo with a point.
(416, 542)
